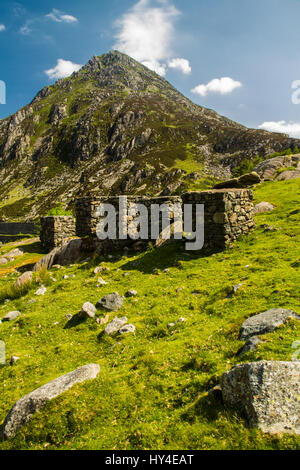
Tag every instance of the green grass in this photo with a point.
(151, 392)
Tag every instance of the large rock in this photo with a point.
(68, 252)
(266, 322)
(111, 302)
(267, 393)
(249, 179)
(263, 207)
(27, 406)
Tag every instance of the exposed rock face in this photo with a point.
(268, 169)
(30, 404)
(118, 127)
(288, 175)
(266, 322)
(267, 393)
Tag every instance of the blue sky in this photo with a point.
(239, 57)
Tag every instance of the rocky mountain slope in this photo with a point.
(116, 127)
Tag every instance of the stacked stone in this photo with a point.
(87, 219)
(54, 229)
(228, 214)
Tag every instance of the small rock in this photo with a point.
(11, 316)
(111, 302)
(69, 316)
(114, 326)
(65, 276)
(234, 290)
(171, 325)
(103, 321)
(31, 301)
(100, 269)
(41, 291)
(263, 207)
(102, 282)
(14, 359)
(88, 310)
(181, 320)
(131, 293)
(127, 329)
(250, 345)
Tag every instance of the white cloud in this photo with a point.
(146, 33)
(25, 29)
(223, 86)
(181, 64)
(63, 69)
(59, 17)
(2, 27)
(290, 128)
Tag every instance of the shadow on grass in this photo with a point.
(76, 320)
(171, 254)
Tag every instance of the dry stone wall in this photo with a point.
(228, 213)
(54, 229)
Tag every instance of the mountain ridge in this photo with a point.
(115, 126)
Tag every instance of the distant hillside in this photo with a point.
(117, 127)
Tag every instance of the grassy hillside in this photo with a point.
(151, 392)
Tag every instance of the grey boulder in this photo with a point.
(267, 393)
(266, 322)
(11, 316)
(27, 406)
(111, 302)
(114, 326)
(87, 310)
